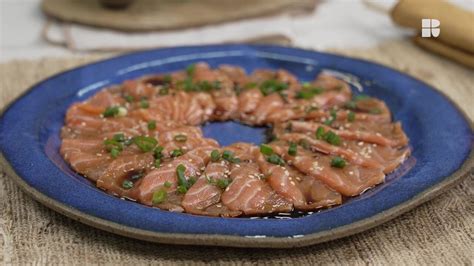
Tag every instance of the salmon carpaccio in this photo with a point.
(142, 141)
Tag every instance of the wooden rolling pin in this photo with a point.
(456, 38)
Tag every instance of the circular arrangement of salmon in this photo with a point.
(142, 141)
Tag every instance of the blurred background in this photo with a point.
(39, 28)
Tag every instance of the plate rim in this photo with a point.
(466, 169)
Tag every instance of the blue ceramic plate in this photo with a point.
(439, 133)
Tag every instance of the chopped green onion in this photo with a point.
(120, 137)
(136, 176)
(111, 111)
(308, 92)
(128, 98)
(144, 104)
(157, 152)
(168, 184)
(304, 95)
(181, 189)
(333, 117)
(275, 159)
(250, 85)
(306, 85)
(157, 163)
(159, 196)
(190, 70)
(223, 183)
(182, 181)
(266, 150)
(145, 144)
(361, 97)
(270, 86)
(320, 133)
(332, 138)
(229, 156)
(180, 138)
(151, 124)
(292, 149)
(176, 152)
(114, 152)
(338, 162)
(127, 184)
(351, 116)
(375, 111)
(351, 105)
(215, 155)
(191, 181)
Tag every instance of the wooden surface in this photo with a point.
(440, 231)
(144, 15)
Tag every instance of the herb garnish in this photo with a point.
(190, 70)
(329, 136)
(271, 85)
(308, 91)
(215, 156)
(292, 149)
(144, 143)
(266, 150)
(222, 183)
(180, 138)
(128, 98)
(144, 104)
(159, 196)
(127, 184)
(351, 116)
(275, 159)
(176, 153)
(338, 162)
(333, 117)
(151, 124)
(229, 156)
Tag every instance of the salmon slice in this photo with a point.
(90, 165)
(352, 180)
(265, 107)
(204, 196)
(194, 161)
(236, 74)
(139, 90)
(317, 194)
(381, 134)
(243, 151)
(225, 98)
(281, 180)
(123, 168)
(248, 102)
(326, 148)
(92, 146)
(306, 193)
(389, 157)
(251, 195)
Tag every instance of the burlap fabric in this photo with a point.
(438, 232)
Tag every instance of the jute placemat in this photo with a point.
(438, 232)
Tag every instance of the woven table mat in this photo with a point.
(438, 232)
